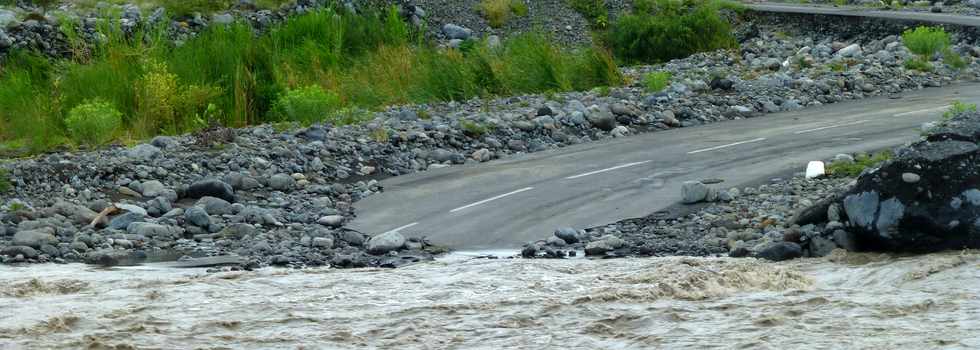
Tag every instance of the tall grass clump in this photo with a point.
(305, 105)
(498, 12)
(656, 81)
(958, 108)
(327, 65)
(661, 30)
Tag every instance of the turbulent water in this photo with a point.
(843, 301)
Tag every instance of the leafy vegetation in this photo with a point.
(661, 30)
(498, 12)
(656, 81)
(594, 11)
(327, 63)
(958, 108)
(861, 162)
(926, 41)
(93, 122)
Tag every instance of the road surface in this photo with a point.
(504, 203)
(856, 11)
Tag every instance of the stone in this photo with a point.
(322, 242)
(780, 251)
(215, 206)
(482, 155)
(35, 238)
(846, 240)
(820, 246)
(153, 188)
(911, 178)
(76, 213)
(453, 31)
(352, 237)
(861, 208)
(197, 216)
(211, 188)
(21, 250)
(721, 84)
(385, 242)
(164, 142)
(143, 152)
(282, 182)
(852, 50)
(693, 192)
(604, 245)
(121, 222)
(331, 220)
(567, 234)
(153, 230)
(223, 18)
(601, 119)
(815, 169)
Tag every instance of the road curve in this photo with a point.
(854, 11)
(504, 203)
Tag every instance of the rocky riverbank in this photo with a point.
(281, 196)
(751, 221)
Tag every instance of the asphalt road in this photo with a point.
(856, 11)
(504, 203)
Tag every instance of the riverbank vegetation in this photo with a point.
(307, 69)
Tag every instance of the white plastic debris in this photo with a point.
(815, 169)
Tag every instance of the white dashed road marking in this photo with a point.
(831, 127)
(726, 146)
(920, 111)
(491, 199)
(607, 169)
(402, 227)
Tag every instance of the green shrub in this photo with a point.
(926, 41)
(93, 122)
(953, 59)
(918, 64)
(183, 8)
(667, 29)
(306, 105)
(861, 162)
(958, 108)
(656, 81)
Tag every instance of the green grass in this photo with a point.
(473, 129)
(958, 108)
(498, 12)
(861, 162)
(656, 81)
(953, 59)
(227, 74)
(918, 64)
(661, 30)
(4, 181)
(594, 11)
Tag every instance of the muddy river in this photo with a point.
(860, 301)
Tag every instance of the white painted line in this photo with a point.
(831, 127)
(726, 146)
(627, 165)
(402, 227)
(920, 111)
(491, 199)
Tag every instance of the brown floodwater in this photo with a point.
(845, 301)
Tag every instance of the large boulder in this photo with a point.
(938, 211)
(211, 188)
(35, 238)
(385, 243)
